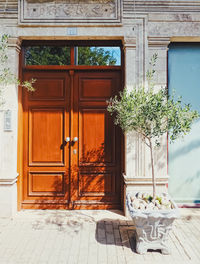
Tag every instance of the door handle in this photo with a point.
(75, 139)
(67, 139)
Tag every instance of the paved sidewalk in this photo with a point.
(90, 237)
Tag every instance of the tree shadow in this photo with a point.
(187, 183)
(195, 144)
(90, 178)
(116, 232)
(71, 222)
(94, 155)
(160, 154)
(120, 233)
(65, 191)
(137, 146)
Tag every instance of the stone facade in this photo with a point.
(67, 11)
(145, 27)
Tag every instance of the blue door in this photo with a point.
(184, 154)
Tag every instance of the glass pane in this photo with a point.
(98, 56)
(47, 55)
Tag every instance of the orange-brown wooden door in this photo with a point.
(81, 173)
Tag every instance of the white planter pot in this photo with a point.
(152, 227)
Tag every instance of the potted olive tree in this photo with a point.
(152, 115)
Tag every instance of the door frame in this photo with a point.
(71, 69)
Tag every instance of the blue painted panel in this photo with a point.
(184, 154)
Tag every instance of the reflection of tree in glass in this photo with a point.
(95, 56)
(54, 55)
(47, 55)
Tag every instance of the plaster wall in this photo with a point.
(8, 139)
(144, 29)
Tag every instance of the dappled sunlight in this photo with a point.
(184, 167)
(93, 155)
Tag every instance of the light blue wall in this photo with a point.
(184, 154)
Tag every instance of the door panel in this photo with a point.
(46, 183)
(103, 88)
(49, 89)
(96, 184)
(77, 174)
(45, 137)
(96, 137)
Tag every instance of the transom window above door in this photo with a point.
(88, 54)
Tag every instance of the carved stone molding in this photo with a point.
(148, 6)
(9, 181)
(14, 43)
(145, 180)
(70, 11)
(158, 41)
(130, 43)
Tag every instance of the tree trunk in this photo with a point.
(152, 168)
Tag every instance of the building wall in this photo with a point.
(145, 27)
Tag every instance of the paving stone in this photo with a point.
(90, 237)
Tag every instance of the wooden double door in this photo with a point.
(72, 149)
